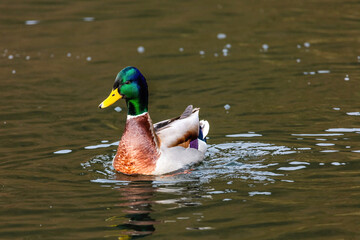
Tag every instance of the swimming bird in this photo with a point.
(154, 149)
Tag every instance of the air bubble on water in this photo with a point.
(68, 54)
(88, 59)
(265, 47)
(306, 44)
(10, 57)
(298, 46)
(228, 46)
(27, 57)
(312, 73)
(306, 73)
(202, 52)
(181, 49)
(353, 113)
(104, 141)
(336, 108)
(141, 49)
(227, 106)
(336, 163)
(13, 71)
(216, 54)
(347, 77)
(358, 58)
(298, 60)
(88, 19)
(31, 22)
(323, 71)
(251, 194)
(225, 52)
(118, 109)
(65, 151)
(221, 36)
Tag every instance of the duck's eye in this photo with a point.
(127, 82)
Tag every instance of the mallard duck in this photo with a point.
(154, 149)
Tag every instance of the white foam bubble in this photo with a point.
(244, 135)
(325, 144)
(329, 151)
(141, 49)
(265, 47)
(225, 52)
(303, 148)
(64, 151)
(317, 134)
(251, 194)
(285, 180)
(221, 36)
(88, 19)
(31, 22)
(98, 146)
(343, 130)
(291, 168)
(337, 163)
(299, 163)
(353, 113)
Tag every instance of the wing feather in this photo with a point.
(179, 131)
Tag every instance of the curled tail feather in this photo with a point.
(204, 129)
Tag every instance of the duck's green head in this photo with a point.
(131, 85)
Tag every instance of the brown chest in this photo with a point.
(137, 152)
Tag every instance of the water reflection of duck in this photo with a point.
(136, 197)
(155, 149)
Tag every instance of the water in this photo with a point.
(279, 86)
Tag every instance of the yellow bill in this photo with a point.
(113, 97)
